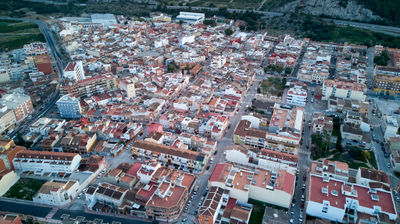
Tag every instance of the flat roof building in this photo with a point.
(191, 17)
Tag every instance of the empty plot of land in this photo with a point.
(272, 86)
(14, 34)
(24, 189)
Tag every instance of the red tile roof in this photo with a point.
(363, 195)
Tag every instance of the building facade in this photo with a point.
(41, 162)
(56, 193)
(7, 119)
(89, 87)
(20, 103)
(343, 89)
(387, 80)
(344, 202)
(297, 95)
(191, 17)
(74, 71)
(169, 155)
(69, 107)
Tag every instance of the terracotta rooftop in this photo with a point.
(363, 194)
(46, 155)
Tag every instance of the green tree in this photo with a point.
(279, 69)
(210, 22)
(228, 32)
(365, 155)
(382, 59)
(288, 70)
(19, 140)
(172, 67)
(339, 146)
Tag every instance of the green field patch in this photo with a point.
(24, 189)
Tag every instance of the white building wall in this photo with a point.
(315, 209)
(186, 39)
(7, 181)
(46, 165)
(275, 197)
(239, 194)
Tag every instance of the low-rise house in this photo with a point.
(41, 162)
(169, 155)
(371, 177)
(334, 169)
(261, 158)
(286, 140)
(395, 160)
(390, 127)
(10, 219)
(56, 193)
(321, 123)
(351, 132)
(336, 104)
(77, 143)
(273, 187)
(209, 210)
(105, 195)
(393, 144)
(236, 212)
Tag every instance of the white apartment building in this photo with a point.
(4, 76)
(56, 193)
(186, 39)
(390, 127)
(128, 85)
(74, 71)
(342, 89)
(19, 103)
(272, 187)
(191, 17)
(7, 119)
(218, 61)
(69, 107)
(297, 95)
(344, 202)
(41, 162)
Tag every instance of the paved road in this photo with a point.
(304, 163)
(89, 216)
(299, 61)
(24, 208)
(389, 30)
(265, 13)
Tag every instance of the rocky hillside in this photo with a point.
(341, 9)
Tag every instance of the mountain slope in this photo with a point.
(378, 11)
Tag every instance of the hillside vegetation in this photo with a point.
(387, 9)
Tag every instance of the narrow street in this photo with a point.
(297, 210)
(226, 141)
